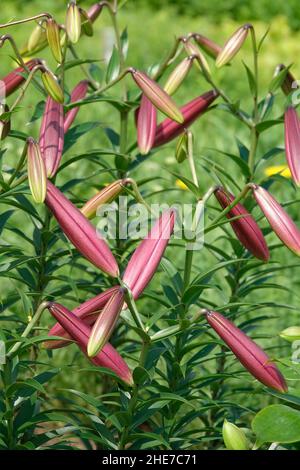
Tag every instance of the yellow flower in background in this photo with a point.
(283, 170)
(180, 184)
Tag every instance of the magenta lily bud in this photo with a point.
(78, 93)
(292, 142)
(80, 231)
(250, 355)
(157, 95)
(80, 332)
(88, 311)
(209, 46)
(52, 135)
(14, 79)
(105, 196)
(169, 130)
(233, 45)
(245, 228)
(94, 11)
(37, 177)
(285, 229)
(146, 125)
(105, 323)
(144, 261)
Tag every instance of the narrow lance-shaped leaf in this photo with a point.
(146, 125)
(80, 231)
(250, 355)
(80, 332)
(292, 142)
(52, 135)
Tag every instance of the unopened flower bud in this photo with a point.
(36, 39)
(105, 196)
(36, 171)
(178, 75)
(209, 46)
(291, 334)
(233, 45)
(52, 31)
(73, 22)
(181, 152)
(52, 86)
(234, 437)
(194, 50)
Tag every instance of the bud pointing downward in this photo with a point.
(36, 39)
(251, 356)
(14, 79)
(78, 93)
(233, 45)
(52, 31)
(105, 196)
(292, 142)
(80, 231)
(80, 333)
(245, 228)
(146, 125)
(285, 229)
(52, 135)
(94, 11)
(52, 86)
(105, 324)
(194, 50)
(157, 95)
(73, 22)
(234, 438)
(178, 75)
(36, 172)
(209, 46)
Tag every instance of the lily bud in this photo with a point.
(73, 22)
(94, 11)
(285, 229)
(88, 312)
(36, 171)
(250, 355)
(80, 231)
(245, 228)
(37, 38)
(194, 50)
(80, 332)
(146, 125)
(52, 31)
(157, 95)
(233, 45)
(86, 23)
(78, 93)
(181, 152)
(289, 82)
(14, 79)
(52, 136)
(169, 130)
(105, 324)
(178, 75)
(234, 438)
(291, 334)
(144, 261)
(209, 46)
(292, 142)
(4, 123)
(52, 86)
(105, 196)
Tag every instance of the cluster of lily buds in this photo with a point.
(37, 177)
(207, 45)
(53, 37)
(52, 135)
(292, 142)
(105, 196)
(52, 86)
(4, 123)
(14, 79)
(169, 130)
(250, 355)
(158, 97)
(178, 75)
(80, 333)
(281, 223)
(78, 93)
(245, 227)
(233, 45)
(146, 125)
(234, 437)
(80, 231)
(73, 22)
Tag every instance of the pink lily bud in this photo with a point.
(36, 171)
(146, 125)
(52, 135)
(245, 228)
(209, 46)
(14, 79)
(178, 75)
(250, 355)
(105, 196)
(88, 311)
(285, 229)
(144, 261)
(233, 45)
(80, 231)
(158, 97)
(292, 142)
(80, 332)
(105, 323)
(94, 11)
(78, 93)
(169, 130)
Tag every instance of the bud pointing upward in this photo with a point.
(233, 45)
(234, 437)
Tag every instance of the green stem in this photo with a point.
(19, 165)
(187, 267)
(26, 20)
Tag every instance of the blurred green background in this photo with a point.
(152, 26)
